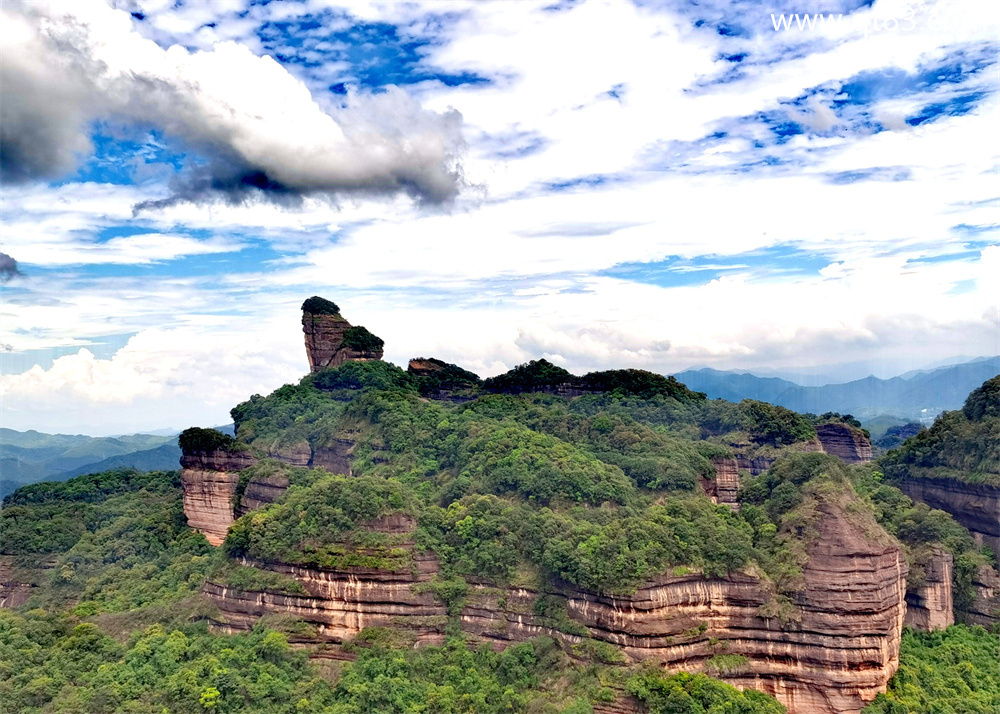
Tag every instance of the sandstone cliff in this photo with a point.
(930, 606)
(975, 506)
(331, 340)
(209, 479)
(835, 651)
(845, 442)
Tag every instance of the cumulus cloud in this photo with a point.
(162, 377)
(257, 128)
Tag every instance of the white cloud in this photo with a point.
(514, 271)
(67, 63)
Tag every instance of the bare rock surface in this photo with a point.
(326, 332)
(931, 606)
(975, 506)
(846, 442)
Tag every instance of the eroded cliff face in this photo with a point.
(209, 481)
(723, 488)
(324, 336)
(14, 587)
(835, 651)
(931, 606)
(845, 442)
(975, 506)
(985, 606)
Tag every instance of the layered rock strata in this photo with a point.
(975, 506)
(845, 442)
(325, 334)
(723, 488)
(14, 587)
(209, 480)
(835, 649)
(930, 606)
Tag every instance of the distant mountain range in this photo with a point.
(916, 396)
(32, 456)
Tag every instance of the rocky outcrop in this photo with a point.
(208, 499)
(209, 480)
(444, 381)
(930, 605)
(846, 442)
(15, 588)
(723, 488)
(835, 648)
(985, 606)
(975, 506)
(331, 340)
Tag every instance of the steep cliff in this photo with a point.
(955, 464)
(931, 606)
(331, 340)
(15, 588)
(210, 466)
(845, 442)
(833, 652)
(975, 506)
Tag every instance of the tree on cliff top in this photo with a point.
(320, 306)
(360, 339)
(196, 439)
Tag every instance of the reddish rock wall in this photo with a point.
(846, 442)
(930, 606)
(324, 336)
(975, 506)
(839, 652)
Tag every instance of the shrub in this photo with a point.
(532, 376)
(198, 440)
(374, 374)
(320, 306)
(639, 382)
(360, 339)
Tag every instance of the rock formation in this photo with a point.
(723, 488)
(836, 649)
(845, 442)
(985, 606)
(930, 605)
(14, 588)
(209, 479)
(331, 340)
(975, 505)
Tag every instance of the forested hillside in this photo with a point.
(512, 487)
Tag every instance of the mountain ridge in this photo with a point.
(922, 395)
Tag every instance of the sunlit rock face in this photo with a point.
(209, 480)
(330, 338)
(836, 650)
(930, 606)
(845, 442)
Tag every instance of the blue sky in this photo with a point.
(606, 184)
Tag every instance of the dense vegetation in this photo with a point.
(896, 435)
(963, 445)
(952, 672)
(114, 541)
(320, 306)
(198, 440)
(360, 339)
(517, 486)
